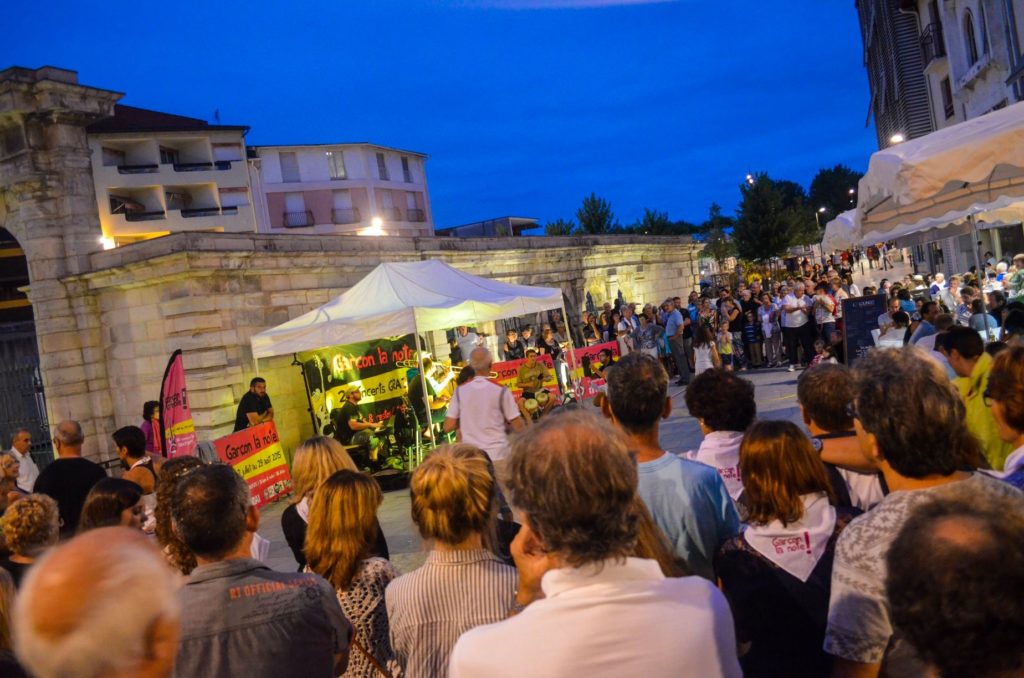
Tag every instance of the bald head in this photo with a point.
(68, 438)
(480, 360)
(104, 603)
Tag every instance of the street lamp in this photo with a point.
(750, 178)
(897, 138)
(821, 210)
(376, 228)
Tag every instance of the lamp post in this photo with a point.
(817, 221)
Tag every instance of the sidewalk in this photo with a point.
(874, 276)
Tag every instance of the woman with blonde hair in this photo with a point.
(339, 547)
(316, 460)
(31, 525)
(777, 573)
(462, 584)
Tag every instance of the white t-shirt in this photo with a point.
(467, 344)
(581, 628)
(796, 318)
(483, 408)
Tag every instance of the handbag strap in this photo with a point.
(373, 660)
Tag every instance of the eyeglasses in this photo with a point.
(986, 397)
(851, 410)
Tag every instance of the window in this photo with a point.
(227, 153)
(947, 99)
(234, 197)
(12, 139)
(168, 156)
(336, 164)
(406, 172)
(984, 27)
(382, 168)
(970, 41)
(289, 167)
(295, 213)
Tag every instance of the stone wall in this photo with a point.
(207, 294)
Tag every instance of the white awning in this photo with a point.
(842, 232)
(396, 299)
(942, 178)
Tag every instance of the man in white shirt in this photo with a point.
(795, 330)
(580, 590)
(467, 341)
(21, 442)
(482, 411)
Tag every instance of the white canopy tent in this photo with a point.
(842, 232)
(396, 299)
(948, 177)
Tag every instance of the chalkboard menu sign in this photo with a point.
(860, 317)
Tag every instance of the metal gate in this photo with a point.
(22, 403)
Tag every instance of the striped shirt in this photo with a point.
(429, 608)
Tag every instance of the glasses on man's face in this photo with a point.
(986, 397)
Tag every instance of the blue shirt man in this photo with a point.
(673, 322)
(688, 500)
(929, 311)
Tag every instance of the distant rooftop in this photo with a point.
(499, 226)
(340, 143)
(132, 119)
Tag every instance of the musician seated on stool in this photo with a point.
(530, 378)
(350, 428)
(438, 403)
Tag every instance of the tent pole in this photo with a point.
(572, 352)
(423, 383)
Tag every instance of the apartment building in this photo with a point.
(894, 62)
(970, 61)
(157, 173)
(353, 188)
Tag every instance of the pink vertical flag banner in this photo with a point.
(177, 430)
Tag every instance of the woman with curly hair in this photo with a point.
(31, 525)
(177, 554)
(316, 460)
(339, 547)
(112, 501)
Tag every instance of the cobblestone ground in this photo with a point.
(776, 399)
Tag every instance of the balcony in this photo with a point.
(138, 169)
(154, 215)
(391, 214)
(192, 212)
(932, 46)
(298, 219)
(348, 215)
(202, 166)
(417, 215)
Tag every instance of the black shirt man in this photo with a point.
(254, 407)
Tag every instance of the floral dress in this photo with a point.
(363, 605)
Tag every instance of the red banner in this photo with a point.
(177, 430)
(256, 454)
(585, 357)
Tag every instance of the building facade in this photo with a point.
(892, 55)
(105, 322)
(361, 189)
(156, 173)
(943, 62)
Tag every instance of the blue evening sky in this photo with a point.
(524, 106)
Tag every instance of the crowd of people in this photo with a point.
(885, 536)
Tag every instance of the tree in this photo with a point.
(718, 245)
(595, 216)
(559, 227)
(716, 221)
(654, 222)
(805, 224)
(765, 225)
(831, 189)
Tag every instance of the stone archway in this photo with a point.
(22, 401)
